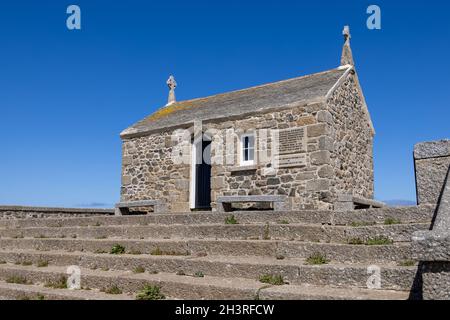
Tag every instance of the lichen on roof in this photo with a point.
(256, 99)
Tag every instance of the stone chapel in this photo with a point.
(302, 143)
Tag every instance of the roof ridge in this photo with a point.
(340, 68)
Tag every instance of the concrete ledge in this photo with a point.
(432, 149)
(55, 210)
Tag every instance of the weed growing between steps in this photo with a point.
(27, 298)
(375, 241)
(378, 241)
(139, 270)
(231, 220)
(42, 264)
(276, 280)
(112, 290)
(391, 221)
(159, 252)
(355, 241)
(406, 263)
(61, 283)
(199, 274)
(27, 263)
(283, 222)
(117, 249)
(150, 293)
(317, 259)
(18, 280)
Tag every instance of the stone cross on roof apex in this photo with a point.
(347, 55)
(172, 84)
(346, 33)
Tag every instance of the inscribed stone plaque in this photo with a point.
(292, 146)
(292, 140)
(290, 160)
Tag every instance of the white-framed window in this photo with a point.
(247, 149)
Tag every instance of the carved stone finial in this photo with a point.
(346, 33)
(172, 84)
(347, 55)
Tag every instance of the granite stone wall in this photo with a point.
(432, 160)
(149, 172)
(307, 185)
(350, 143)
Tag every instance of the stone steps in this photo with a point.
(11, 291)
(402, 214)
(299, 232)
(232, 257)
(188, 287)
(294, 270)
(344, 253)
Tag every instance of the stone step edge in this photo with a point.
(38, 292)
(293, 270)
(231, 226)
(228, 260)
(187, 240)
(250, 288)
(329, 215)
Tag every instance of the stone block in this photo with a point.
(320, 158)
(126, 160)
(218, 183)
(326, 143)
(304, 121)
(432, 149)
(325, 116)
(126, 180)
(317, 130)
(325, 171)
(318, 185)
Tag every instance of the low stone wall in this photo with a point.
(432, 248)
(431, 160)
(18, 212)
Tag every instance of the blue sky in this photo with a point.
(66, 95)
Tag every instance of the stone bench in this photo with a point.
(348, 202)
(122, 208)
(280, 203)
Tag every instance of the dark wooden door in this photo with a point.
(203, 179)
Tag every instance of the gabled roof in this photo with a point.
(306, 89)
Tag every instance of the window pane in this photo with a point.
(246, 142)
(251, 141)
(248, 148)
(251, 154)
